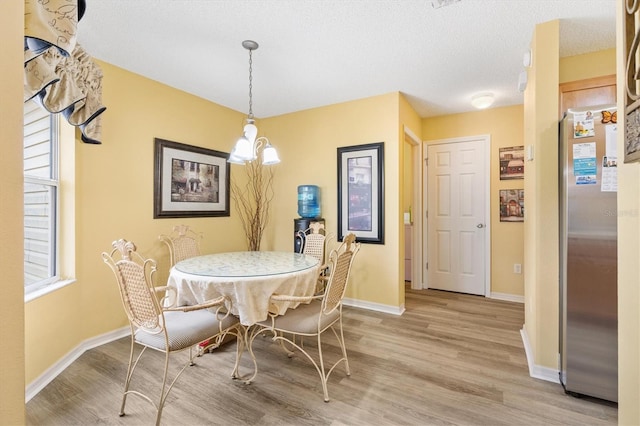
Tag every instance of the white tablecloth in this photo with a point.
(246, 280)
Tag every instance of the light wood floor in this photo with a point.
(450, 359)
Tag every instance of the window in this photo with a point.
(41, 183)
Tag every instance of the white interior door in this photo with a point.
(457, 213)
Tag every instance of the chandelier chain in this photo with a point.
(250, 84)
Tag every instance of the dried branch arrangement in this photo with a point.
(253, 200)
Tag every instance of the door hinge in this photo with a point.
(426, 214)
(426, 265)
(426, 161)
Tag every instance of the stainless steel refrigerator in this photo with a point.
(588, 252)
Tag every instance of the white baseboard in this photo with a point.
(537, 371)
(506, 296)
(372, 306)
(52, 372)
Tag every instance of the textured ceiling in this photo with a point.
(320, 52)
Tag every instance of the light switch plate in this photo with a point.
(529, 154)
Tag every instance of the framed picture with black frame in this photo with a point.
(189, 181)
(361, 192)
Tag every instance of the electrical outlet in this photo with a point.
(517, 268)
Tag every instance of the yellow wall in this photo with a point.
(407, 176)
(541, 192)
(411, 120)
(588, 65)
(628, 264)
(12, 363)
(410, 175)
(505, 125)
(307, 142)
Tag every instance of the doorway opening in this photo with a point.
(412, 207)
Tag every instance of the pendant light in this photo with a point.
(248, 146)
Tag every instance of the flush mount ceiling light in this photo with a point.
(482, 100)
(441, 3)
(247, 148)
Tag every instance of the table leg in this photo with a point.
(244, 342)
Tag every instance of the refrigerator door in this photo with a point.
(588, 251)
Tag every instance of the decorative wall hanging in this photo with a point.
(512, 162)
(631, 34)
(361, 192)
(512, 205)
(189, 181)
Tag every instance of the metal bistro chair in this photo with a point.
(313, 242)
(315, 314)
(165, 329)
(183, 243)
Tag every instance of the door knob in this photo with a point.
(480, 225)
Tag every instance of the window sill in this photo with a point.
(47, 289)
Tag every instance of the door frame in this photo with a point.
(486, 141)
(417, 277)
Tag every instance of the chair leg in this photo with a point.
(191, 356)
(344, 349)
(165, 388)
(290, 353)
(323, 377)
(130, 368)
(163, 395)
(319, 368)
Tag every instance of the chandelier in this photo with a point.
(248, 146)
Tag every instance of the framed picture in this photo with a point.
(512, 205)
(189, 181)
(632, 136)
(630, 30)
(512, 162)
(361, 192)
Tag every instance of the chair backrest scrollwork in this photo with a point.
(134, 276)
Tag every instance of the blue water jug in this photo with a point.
(309, 201)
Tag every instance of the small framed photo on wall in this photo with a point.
(512, 162)
(512, 205)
